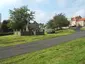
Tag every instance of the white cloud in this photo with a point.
(80, 12)
(38, 1)
(4, 3)
(7, 2)
(78, 2)
(40, 15)
(62, 3)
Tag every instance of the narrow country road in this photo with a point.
(6, 52)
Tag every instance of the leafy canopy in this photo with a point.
(20, 17)
(58, 21)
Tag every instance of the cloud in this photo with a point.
(62, 3)
(39, 1)
(80, 12)
(78, 3)
(75, 8)
(43, 16)
(40, 16)
(7, 2)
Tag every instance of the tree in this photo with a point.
(20, 17)
(58, 21)
(4, 26)
(51, 24)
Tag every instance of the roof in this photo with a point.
(82, 19)
(77, 19)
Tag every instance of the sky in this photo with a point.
(45, 9)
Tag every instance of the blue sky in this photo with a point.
(45, 9)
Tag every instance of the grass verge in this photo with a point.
(15, 40)
(72, 52)
(83, 28)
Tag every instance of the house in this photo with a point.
(77, 21)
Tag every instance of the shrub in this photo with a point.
(6, 33)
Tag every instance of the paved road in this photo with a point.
(6, 52)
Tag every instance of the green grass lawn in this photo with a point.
(72, 52)
(83, 28)
(15, 40)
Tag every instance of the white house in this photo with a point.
(77, 21)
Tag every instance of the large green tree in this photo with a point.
(20, 17)
(51, 24)
(58, 21)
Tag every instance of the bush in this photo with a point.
(6, 33)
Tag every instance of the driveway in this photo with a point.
(6, 52)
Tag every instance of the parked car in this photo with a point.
(50, 31)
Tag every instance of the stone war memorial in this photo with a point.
(31, 29)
